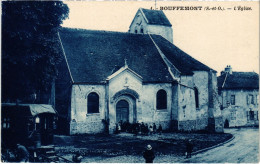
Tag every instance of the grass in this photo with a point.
(127, 144)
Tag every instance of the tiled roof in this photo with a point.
(94, 55)
(156, 17)
(239, 80)
(182, 61)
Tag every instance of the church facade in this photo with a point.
(107, 77)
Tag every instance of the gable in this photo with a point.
(125, 79)
(138, 22)
(151, 17)
(123, 70)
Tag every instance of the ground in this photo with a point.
(126, 148)
(243, 149)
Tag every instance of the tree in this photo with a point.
(30, 47)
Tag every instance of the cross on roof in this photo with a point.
(126, 62)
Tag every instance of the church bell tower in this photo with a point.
(151, 22)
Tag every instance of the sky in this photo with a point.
(216, 38)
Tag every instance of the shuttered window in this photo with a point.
(255, 115)
(233, 115)
(251, 115)
(233, 100)
(250, 99)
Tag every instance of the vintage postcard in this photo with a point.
(130, 81)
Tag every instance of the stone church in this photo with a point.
(137, 76)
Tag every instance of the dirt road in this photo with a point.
(243, 149)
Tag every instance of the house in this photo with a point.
(107, 77)
(239, 97)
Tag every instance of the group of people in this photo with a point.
(138, 128)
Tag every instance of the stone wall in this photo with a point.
(81, 120)
(186, 99)
(164, 31)
(201, 83)
(219, 124)
(214, 106)
(240, 98)
(201, 123)
(90, 127)
(188, 125)
(175, 105)
(214, 111)
(149, 111)
(237, 116)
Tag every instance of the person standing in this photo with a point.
(154, 128)
(189, 148)
(151, 129)
(142, 128)
(77, 158)
(119, 127)
(160, 129)
(117, 130)
(146, 129)
(22, 153)
(148, 154)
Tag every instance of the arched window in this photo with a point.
(93, 103)
(196, 97)
(161, 99)
(136, 30)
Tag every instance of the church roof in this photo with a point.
(92, 56)
(156, 17)
(181, 60)
(238, 80)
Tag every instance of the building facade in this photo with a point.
(108, 77)
(239, 97)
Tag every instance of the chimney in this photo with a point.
(228, 69)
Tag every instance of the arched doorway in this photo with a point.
(122, 111)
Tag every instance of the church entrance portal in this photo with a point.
(122, 111)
